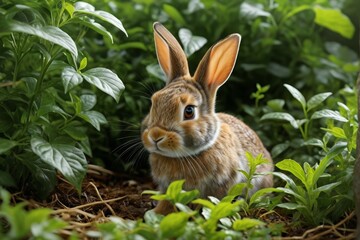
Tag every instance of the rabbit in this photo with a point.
(186, 139)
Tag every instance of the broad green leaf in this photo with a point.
(156, 71)
(49, 33)
(86, 8)
(6, 145)
(69, 160)
(286, 178)
(294, 168)
(253, 10)
(69, 8)
(190, 42)
(297, 194)
(106, 80)
(43, 175)
(314, 142)
(186, 197)
(175, 188)
(225, 209)
(290, 206)
(334, 20)
(281, 116)
(88, 101)
(324, 162)
(97, 27)
(260, 193)
(204, 202)
(326, 113)
(70, 78)
(279, 148)
(76, 131)
(317, 100)
(174, 14)
(295, 11)
(237, 189)
(173, 225)
(296, 94)
(94, 118)
(336, 132)
(327, 187)
(246, 223)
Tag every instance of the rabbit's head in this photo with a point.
(182, 120)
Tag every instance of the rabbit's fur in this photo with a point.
(185, 137)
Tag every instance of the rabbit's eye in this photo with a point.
(189, 112)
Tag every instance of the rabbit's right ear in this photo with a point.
(171, 57)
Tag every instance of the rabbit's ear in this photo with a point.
(171, 57)
(218, 63)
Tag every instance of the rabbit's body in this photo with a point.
(185, 137)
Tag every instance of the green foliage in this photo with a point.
(42, 125)
(213, 219)
(17, 223)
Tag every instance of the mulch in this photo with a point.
(105, 193)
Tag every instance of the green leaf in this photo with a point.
(317, 100)
(49, 33)
(97, 27)
(260, 193)
(326, 113)
(70, 78)
(327, 187)
(69, 160)
(253, 10)
(186, 197)
(190, 42)
(281, 116)
(106, 80)
(225, 209)
(290, 206)
(94, 118)
(314, 142)
(336, 132)
(246, 223)
(88, 101)
(6, 145)
(296, 94)
(83, 63)
(173, 225)
(204, 202)
(334, 20)
(294, 168)
(175, 188)
(86, 8)
(174, 14)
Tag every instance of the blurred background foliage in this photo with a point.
(282, 42)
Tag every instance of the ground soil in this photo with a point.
(105, 193)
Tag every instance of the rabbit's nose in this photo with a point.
(156, 135)
(157, 139)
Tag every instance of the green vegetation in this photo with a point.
(62, 104)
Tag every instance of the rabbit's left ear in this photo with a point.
(172, 58)
(218, 63)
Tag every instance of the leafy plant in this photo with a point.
(320, 193)
(17, 223)
(42, 126)
(213, 219)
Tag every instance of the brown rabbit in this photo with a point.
(185, 137)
